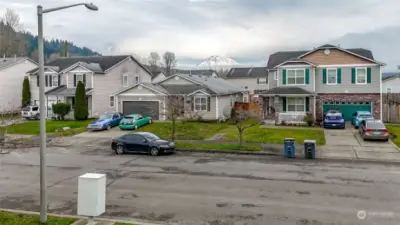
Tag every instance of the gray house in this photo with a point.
(209, 97)
(316, 80)
(102, 76)
(253, 79)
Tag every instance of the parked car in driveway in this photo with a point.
(332, 110)
(142, 142)
(359, 116)
(106, 121)
(373, 130)
(31, 112)
(134, 121)
(334, 120)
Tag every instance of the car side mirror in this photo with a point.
(144, 140)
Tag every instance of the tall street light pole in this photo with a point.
(41, 77)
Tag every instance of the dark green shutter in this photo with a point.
(324, 76)
(208, 104)
(307, 104)
(353, 75)
(368, 75)
(339, 76)
(284, 77)
(283, 104)
(307, 76)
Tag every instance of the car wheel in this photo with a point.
(154, 151)
(119, 150)
(150, 121)
(136, 127)
(108, 127)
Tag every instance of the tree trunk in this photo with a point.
(173, 130)
(241, 137)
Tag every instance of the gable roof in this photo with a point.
(247, 72)
(282, 56)
(98, 64)
(195, 72)
(287, 90)
(6, 62)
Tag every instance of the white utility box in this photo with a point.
(92, 194)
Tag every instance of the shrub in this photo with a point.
(61, 109)
(81, 108)
(309, 119)
(26, 93)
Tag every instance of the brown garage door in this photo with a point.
(146, 108)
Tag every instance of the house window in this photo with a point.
(296, 105)
(125, 80)
(136, 79)
(332, 76)
(389, 90)
(200, 103)
(78, 78)
(55, 81)
(296, 76)
(112, 101)
(361, 76)
(262, 80)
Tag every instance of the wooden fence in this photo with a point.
(391, 107)
(247, 106)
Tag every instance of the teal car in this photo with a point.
(360, 116)
(134, 121)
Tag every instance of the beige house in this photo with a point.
(209, 97)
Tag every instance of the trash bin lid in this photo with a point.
(288, 139)
(310, 141)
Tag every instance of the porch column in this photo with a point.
(277, 108)
(314, 108)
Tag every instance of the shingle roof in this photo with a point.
(286, 91)
(185, 89)
(97, 63)
(216, 84)
(195, 72)
(247, 72)
(282, 56)
(5, 62)
(63, 91)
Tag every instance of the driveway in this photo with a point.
(112, 133)
(348, 143)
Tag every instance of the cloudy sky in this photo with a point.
(246, 30)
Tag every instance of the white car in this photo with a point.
(31, 112)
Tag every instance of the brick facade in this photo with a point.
(374, 98)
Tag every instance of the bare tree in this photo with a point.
(169, 62)
(154, 61)
(244, 118)
(11, 19)
(8, 117)
(174, 109)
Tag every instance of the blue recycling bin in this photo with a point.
(289, 147)
(309, 149)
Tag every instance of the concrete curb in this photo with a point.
(81, 217)
(298, 156)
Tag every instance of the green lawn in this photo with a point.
(33, 127)
(276, 135)
(395, 130)
(211, 146)
(7, 218)
(185, 131)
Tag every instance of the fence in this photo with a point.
(391, 107)
(252, 106)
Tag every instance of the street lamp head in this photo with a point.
(91, 6)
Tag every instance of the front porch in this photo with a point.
(287, 105)
(66, 95)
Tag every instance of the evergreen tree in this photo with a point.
(26, 92)
(81, 108)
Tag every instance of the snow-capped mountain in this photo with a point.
(216, 61)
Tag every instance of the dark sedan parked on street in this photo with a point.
(142, 142)
(373, 130)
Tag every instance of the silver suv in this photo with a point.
(30, 112)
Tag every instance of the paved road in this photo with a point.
(208, 189)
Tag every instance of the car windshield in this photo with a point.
(105, 116)
(334, 116)
(151, 137)
(376, 125)
(365, 116)
(127, 118)
(27, 109)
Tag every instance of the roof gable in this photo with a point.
(7, 62)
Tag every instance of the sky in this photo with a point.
(245, 30)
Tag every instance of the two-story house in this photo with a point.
(323, 78)
(12, 74)
(253, 79)
(102, 76)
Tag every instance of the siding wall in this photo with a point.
(70, 79)
(11, 85)
(250, 83)
(207, 115)
(224, 106)
(393, 83)
(346, 86)
(107, 84)
(334, 57)
(174, 80)
(271, 79)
